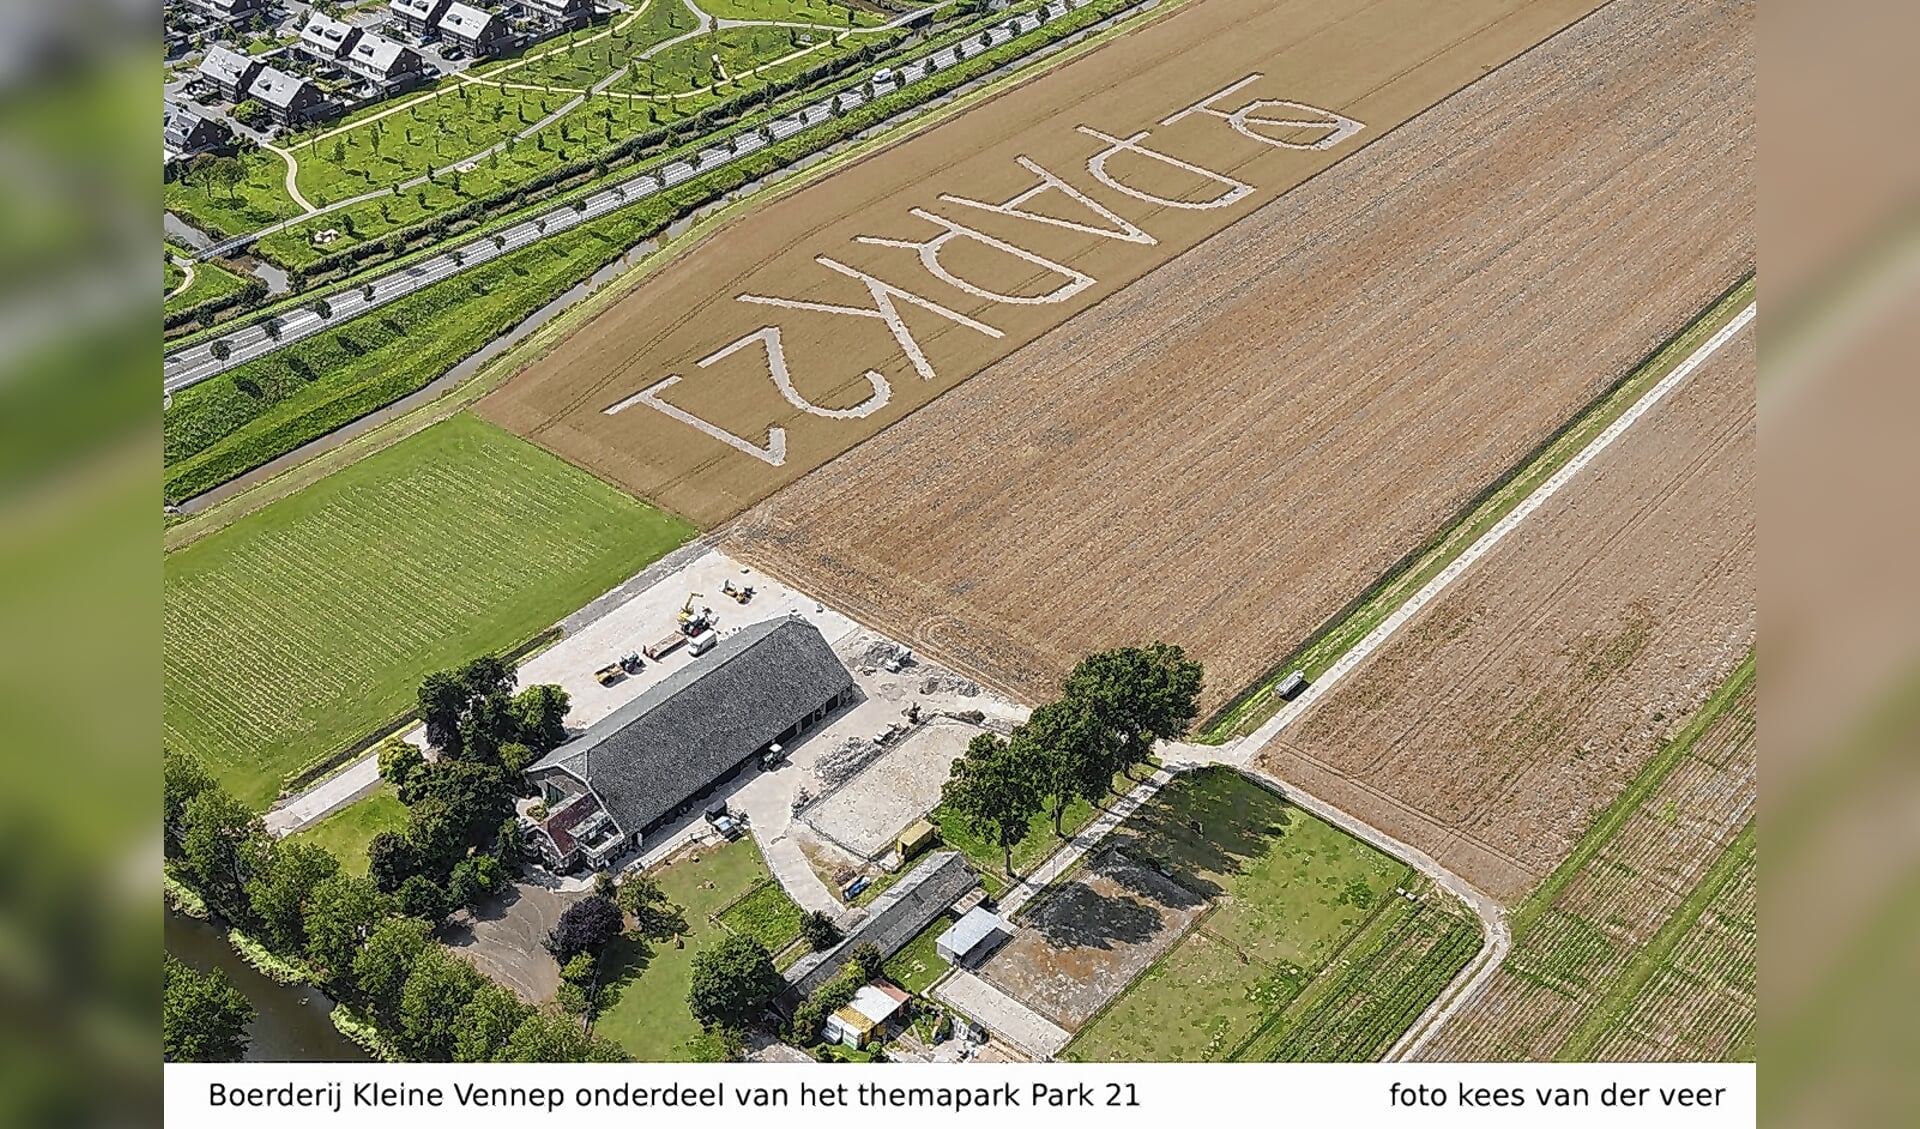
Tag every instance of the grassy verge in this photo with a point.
(766, 914)
(1252, 707)
(309, 623)
(281, 970)
(346, 833)
(1528, 912)
(210, 281)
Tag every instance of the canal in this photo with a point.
(292, 1024)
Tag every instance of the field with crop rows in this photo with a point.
(306, 625)
(1643, 945)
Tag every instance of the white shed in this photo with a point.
(980, 930)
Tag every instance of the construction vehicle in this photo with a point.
(740, 595)
(631, 662)
(686, 610)
(660, 648)
(609, 674)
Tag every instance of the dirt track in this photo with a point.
(1229, 450)
(676, 393)
(1497, 724)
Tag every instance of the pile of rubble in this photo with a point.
(839, 764)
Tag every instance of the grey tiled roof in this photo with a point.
(686, 731)
(226, 65)
(377, 55)
(276, 87)
(893, 919)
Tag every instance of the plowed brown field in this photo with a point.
(1231, 449)
(783, 340)
(1493, 728)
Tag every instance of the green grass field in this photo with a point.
(644, 1006)
(210, 280)
(347, 832)
(1308, 950)
(302, 627)
(919, 963)
(260, 200)
(767, 915)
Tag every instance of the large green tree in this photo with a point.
(341, 913)
(437, 991)
(280, 887)
(182, 777)
(733, 982)
(1073, 754)
(487, 1023)
(222, 841)
(557, 1037)
(1140, 695)
(994, 790)
(203, 1017)
(381, 967)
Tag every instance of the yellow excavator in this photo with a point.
(687, 614)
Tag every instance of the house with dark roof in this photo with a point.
(230, 71)
(391, 67)
(478, 33)
(895, 917)
(184, 133)
(420, 18)
(325, 39)
(561, 15)
(232, 9)
(289, 99)
(655, 757)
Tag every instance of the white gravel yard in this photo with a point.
(868, 812)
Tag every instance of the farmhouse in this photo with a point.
(289, 99)
(972, 937)
(870, 1014)
(390, 67)
(230, 71)
(480, 34)
(418, 17)
(895, 918)
(325, 39)
(654, 757)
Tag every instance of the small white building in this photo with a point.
(867, 1017)
(973, 936)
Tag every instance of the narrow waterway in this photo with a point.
(292, 1024)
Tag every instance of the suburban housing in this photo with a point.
(652, 758)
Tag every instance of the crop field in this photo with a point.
(807, 326)
(1232, 448)
(308, 624)
(1267, 910)
(1642, 946)
(1565, 659)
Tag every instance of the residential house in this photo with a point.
(289, 99)
(391, 67)
(561, 15)
(184, 134)
(655, 757)
(230, 71)
(327, 40)
(233, 9)
(420, 18)
(895, 917)
(478, 33)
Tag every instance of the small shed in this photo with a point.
(916, 839)
(973, 936)
(868, 1016)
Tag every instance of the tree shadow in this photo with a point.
(626, 959)
(496, 907)
(1080, 917)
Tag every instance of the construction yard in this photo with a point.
(1566, 659)
(806, 327)
(1233, 448)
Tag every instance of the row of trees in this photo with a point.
(1114, 705)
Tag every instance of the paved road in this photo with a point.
(1006, 1017)
(191, 365)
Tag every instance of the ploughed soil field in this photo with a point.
(825, 315)
(1231, 449)
(1495, 726)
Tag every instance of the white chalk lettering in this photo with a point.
(1128, 232)
(883, 309)
(1301, 116)
(773, 454)
(1236, 191)
(929, 250)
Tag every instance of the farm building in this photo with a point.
(972, 937)
(654, 757)
(894, 918)
(478, 33)
(390, 67)
(868, 1017)
(325, 39)
(229, 71)
(417, 17)
(289, 99)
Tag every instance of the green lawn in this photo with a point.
(307, 624)
(347, 832)
(1298, 907)
(916, 966)
(824, 12)
(767, 915)
(262, 199)
(210, 280)
(644, 1008)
